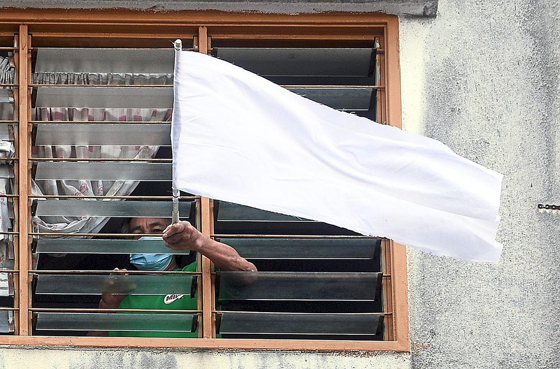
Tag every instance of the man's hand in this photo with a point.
(108, 299)
(183, 236)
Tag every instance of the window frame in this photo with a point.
(113, 25)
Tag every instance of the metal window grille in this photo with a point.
(316, 283)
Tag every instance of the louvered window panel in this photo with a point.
(85, 112)
(319, 282)
(315, 281)
(342, 78)
(100, 155)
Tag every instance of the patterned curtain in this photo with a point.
(87, 187)
(7, 75)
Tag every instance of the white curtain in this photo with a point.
(7, 76)
(86, 187)
(65, 78)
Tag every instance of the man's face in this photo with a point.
(147, 225)
(150, 261)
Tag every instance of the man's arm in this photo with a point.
(182, 236)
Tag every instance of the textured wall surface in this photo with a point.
(483, 78)
(18, 358)
(426, 8)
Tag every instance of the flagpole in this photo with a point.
(178, 45)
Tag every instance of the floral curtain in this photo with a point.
(86, 187)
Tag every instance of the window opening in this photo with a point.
(80, 110)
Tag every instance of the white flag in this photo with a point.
(240, 138)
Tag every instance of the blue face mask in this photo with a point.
(154, 262)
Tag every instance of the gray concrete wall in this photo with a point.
(483, 78)
(426, 8)
(192, 359)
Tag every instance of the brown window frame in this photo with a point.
(114, 26)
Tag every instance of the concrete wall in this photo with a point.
(400, 7)
(483, 78)
(153, 359)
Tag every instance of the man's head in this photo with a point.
(147, 225)
(149, 261)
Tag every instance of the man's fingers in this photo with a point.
(170, 230)
(172, 246)
(175, 232)
(175, 228)
(118, 270)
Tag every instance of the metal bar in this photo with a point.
(9, 271)
(184, 198)
(105, 235)
(77, 310)
(291, 236)
(108, 160)
(334, 87)
(268, 37)
(92, 85)
(100, 122)
(111, 272)
(110, 171)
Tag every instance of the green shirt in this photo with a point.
(167, 302)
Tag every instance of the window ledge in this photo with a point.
(423, 8)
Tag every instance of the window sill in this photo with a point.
(179, 343)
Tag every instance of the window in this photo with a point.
(87, 108)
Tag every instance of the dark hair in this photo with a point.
(125, 228)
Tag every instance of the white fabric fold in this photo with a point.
(240, 138)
